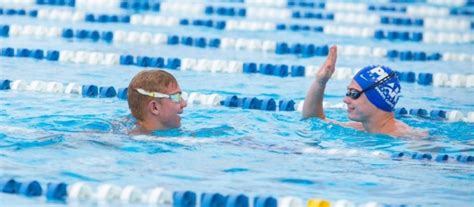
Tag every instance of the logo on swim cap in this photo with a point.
(386, 94)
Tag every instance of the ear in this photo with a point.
(154, 107)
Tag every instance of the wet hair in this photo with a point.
(149, 80)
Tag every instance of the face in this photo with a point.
(168, 110)
(359, 109)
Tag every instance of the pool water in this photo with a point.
(70, 138)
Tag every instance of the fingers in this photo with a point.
(332, 56)
(327, 69)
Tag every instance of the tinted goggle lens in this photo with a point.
(176, 97)
(354, 94)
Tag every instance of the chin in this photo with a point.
(352, 117)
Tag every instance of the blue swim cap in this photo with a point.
(384, 96)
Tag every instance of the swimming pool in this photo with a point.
(52, 136)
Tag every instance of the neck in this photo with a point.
(380, 123)
(148, 126)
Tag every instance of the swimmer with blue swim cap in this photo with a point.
(371, 98)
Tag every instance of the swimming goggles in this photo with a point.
(173, 97)
(355, 94)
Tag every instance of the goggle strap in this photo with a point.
(380, 82)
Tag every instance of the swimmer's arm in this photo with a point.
(313, 102)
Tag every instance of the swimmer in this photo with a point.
(154, 99)
(371, 98)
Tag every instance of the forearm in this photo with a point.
(313, 102)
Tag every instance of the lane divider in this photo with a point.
(106, 194)
(69, 3)
(278, 13)
(431, 157)
(454, 3)
(280, 48)
(246, 25)
(223, 66)
(424, 10)
(411, 10)
(458, 7)
(231, 101)
(397, 156)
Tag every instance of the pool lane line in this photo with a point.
(105, 193)
(212, 100)
(301, 50)
(252, 12)
(223, 66)
(450, 8)
(249, 25)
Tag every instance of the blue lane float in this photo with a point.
(465, 158)
(90, 90)
(52, 55)
(400, 112)
(409, 77)
(31, 189)
(4, 30)
(441, 158)
(422, 156)
(107, 92)
(237, 201)
(10, 186)
(438, 114)
(56, 192)
(286, 105)
(419, 112)
(423, 113)
(425, 79)
(184, 199)
(122, 93)
(8, 52)
(5, 84)
(231, 101)
(212, 200)
(262, 201)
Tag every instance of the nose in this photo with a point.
(347, 100)
(183, 103)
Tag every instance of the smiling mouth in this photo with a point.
(349, 109)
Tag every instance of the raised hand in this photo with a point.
(327, 69)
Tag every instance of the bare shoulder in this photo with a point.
(351, 124)
(403, 130)
(137, 131)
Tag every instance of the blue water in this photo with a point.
(68, 138)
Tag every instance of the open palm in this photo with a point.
(327, 69)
